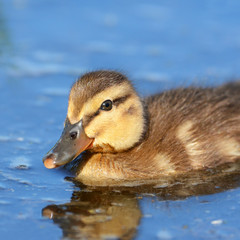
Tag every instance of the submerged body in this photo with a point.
(129, 138)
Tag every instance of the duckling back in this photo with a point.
(197, 128)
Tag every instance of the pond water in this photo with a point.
(44, 47)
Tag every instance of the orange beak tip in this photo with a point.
(49, 163)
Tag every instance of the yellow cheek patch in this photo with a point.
(116, 128)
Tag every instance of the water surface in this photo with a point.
(44, 47)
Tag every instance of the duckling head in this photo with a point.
(105, 114)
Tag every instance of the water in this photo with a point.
(44, 47)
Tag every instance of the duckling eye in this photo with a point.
(73, 135)
(106, 105)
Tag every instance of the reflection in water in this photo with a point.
(113, 212)
(97, 215)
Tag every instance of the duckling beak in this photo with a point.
(72, 142)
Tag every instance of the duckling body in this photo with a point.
(169, 133)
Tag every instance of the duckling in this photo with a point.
(123, 137)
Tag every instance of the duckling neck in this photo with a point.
(95, 168)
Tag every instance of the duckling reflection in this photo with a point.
(114, 212)
(97, 215)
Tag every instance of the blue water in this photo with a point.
(44, 47)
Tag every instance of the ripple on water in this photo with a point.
(26, 68)
(20, 162)
(2, 202)
(2, 187)
(11, 139)
(217, 222)
(164, 235)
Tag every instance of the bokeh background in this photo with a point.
(45, 45)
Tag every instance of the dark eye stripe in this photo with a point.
(116, 102)
(120, 100)
(89, 118)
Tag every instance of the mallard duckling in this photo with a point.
(125, 137)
